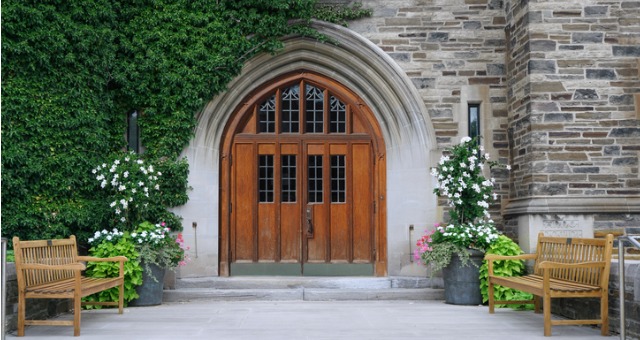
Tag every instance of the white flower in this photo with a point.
(159, 173)
(91, 239)
(122, 188)
(487, 156)
(139, 161)
(125, 174)
(508, 167)
(157, 187)
(104, 231)
(109, 237)
(465, 139)
(113, 204)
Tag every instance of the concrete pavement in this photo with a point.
(391, 319)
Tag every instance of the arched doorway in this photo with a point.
(302, 182)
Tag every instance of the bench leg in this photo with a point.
(604, 314)
(491, 297)
(546, 300)
(21, 314)
(536, 304)
(120, 298)
(77, 308)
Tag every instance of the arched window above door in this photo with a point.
(315, 110)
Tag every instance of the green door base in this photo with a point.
(309, 269)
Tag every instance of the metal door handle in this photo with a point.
(309, 221)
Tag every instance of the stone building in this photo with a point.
(316, 160)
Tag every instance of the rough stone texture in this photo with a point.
(585, 308)
(38, 309)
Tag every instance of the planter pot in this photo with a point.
(151, 290)
(462, 283)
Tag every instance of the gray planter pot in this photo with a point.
(462, 283)
(151, 290)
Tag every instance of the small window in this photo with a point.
(338, 111)
(267, 115)
(315, 179)
(314, 109)
(265, 178)
(133, 132)
(291, 109)
(338, 179)
(288, 181)
(474, 120)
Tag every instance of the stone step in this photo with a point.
(305, 288)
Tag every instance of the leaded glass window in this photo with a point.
(315, 179)
(338, 179)
(291, 109)
(314, 109)
(265, 178)
(288, 181)
(267, 115)
(338, 112)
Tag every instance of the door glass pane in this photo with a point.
(315, 178)
(338, 179)
(265, 178)
(288, 178)
(314, 109)
(267, 115)
(291, 109)
(338, 123)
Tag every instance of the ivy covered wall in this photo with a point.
(72, 70)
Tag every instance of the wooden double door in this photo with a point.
(302, 185)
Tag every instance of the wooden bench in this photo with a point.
(52, 269)
(564, 268)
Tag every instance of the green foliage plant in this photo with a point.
(504, 246)
(72, 70)
(108, 244)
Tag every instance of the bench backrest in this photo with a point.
(576, 250)
(50, 252)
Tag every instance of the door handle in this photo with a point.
(309, 221)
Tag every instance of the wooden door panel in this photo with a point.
(340, 233)
(362, 198)
(317, 245)
(244, 202)
(267, 234)
(290, 232)
(265, 230)
(291, 222)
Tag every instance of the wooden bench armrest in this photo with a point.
(103, 259)
(68, 266)
(559, 265)
(495, 257)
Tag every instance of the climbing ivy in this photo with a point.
(71, 70)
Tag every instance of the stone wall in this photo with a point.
(38, 309)
(558, 84)
(585, 308)
(453, 52)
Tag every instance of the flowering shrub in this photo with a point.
(131, 184)
(156, 245)
(460, 179)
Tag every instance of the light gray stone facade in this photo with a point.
(559, 87)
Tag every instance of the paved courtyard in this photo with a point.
(311, 320)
